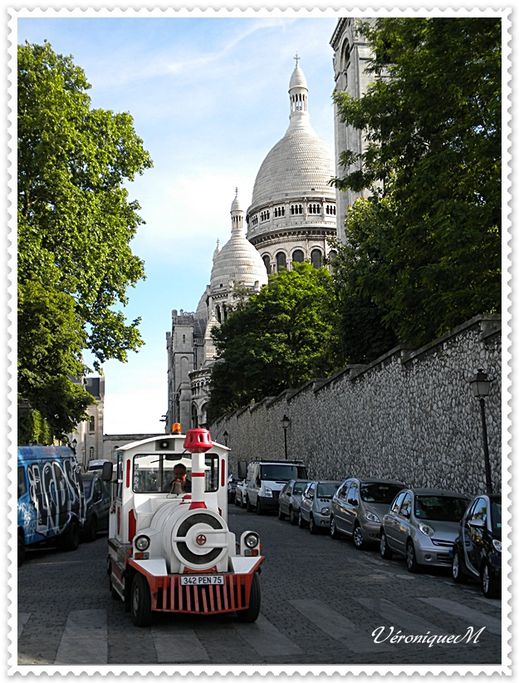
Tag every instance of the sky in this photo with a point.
(209, 98)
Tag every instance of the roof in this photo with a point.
(300, 164)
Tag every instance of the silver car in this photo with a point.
(240, 495)
(290, 499)
(314, 510)
(358, 507)
(422, 525)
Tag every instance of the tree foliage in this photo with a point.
(280, 338)
(424, 250)
(75, 224)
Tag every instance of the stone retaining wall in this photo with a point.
(410, 415)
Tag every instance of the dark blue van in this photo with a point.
(51, 503)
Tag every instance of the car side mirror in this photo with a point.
(107, 472)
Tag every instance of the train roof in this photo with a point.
(161, 443)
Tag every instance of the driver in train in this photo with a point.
(180, 483)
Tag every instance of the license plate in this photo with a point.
(201, 580)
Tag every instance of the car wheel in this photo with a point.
(248, 505)
(140, 601)
(259, 508)
(251, 613)
(410, 558)
(90, 532)
(300, 521)
(314, 529)
(292, 516)
(70, 539)
(358, 537)
(457, 571)
(334, 532)
(489, 583)
(281, 515)
(385, 550)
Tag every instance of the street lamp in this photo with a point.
(480, 385)
(226, 438)
(285, 421)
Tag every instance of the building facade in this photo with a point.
(292, 215)
(237, 271)
(87, 439)
(350, 64)
(291, 218)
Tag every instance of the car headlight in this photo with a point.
(497, 545)
(267, 492)
(325, 511)
(372, 517)
(426, 529)
(251, 540)
(142, 543)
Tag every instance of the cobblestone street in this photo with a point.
(321, 601)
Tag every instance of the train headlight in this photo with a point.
(251, 540)
(142, 543)
(250, 544)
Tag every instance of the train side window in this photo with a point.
(119, 482)
(212, 462)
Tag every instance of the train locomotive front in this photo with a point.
(170, 547)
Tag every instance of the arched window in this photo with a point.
(266, 261)
(298, 256)
(316, 258)
(92, 424)
(194, 416)
(281, 261)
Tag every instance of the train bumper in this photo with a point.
(168, 594)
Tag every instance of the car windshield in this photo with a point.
(439, 508)
(378, 492)
(299, 486)
(496, 516)
(327, 489)
(282, 472)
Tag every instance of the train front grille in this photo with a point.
(233, 595)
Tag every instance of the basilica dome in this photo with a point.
(237, 262)
(300, 163)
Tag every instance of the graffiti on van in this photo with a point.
(56, 491)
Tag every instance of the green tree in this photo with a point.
(75, 224)
(431, 121)
(280, 338)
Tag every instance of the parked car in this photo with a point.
(477, 551)
(422, 525)
(358, 507)
(97, 497)
(240, 495)
(232, 482)
(290, 499)
(51, 502)
(314, 509)
(266, 478)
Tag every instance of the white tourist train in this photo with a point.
(170, 547)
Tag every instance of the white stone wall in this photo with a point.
(410, 415)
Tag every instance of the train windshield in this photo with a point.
(156, 472)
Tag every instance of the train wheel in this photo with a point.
(140, 601)
(251, 613)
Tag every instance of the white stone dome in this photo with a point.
(300, 164)
(237, 262)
